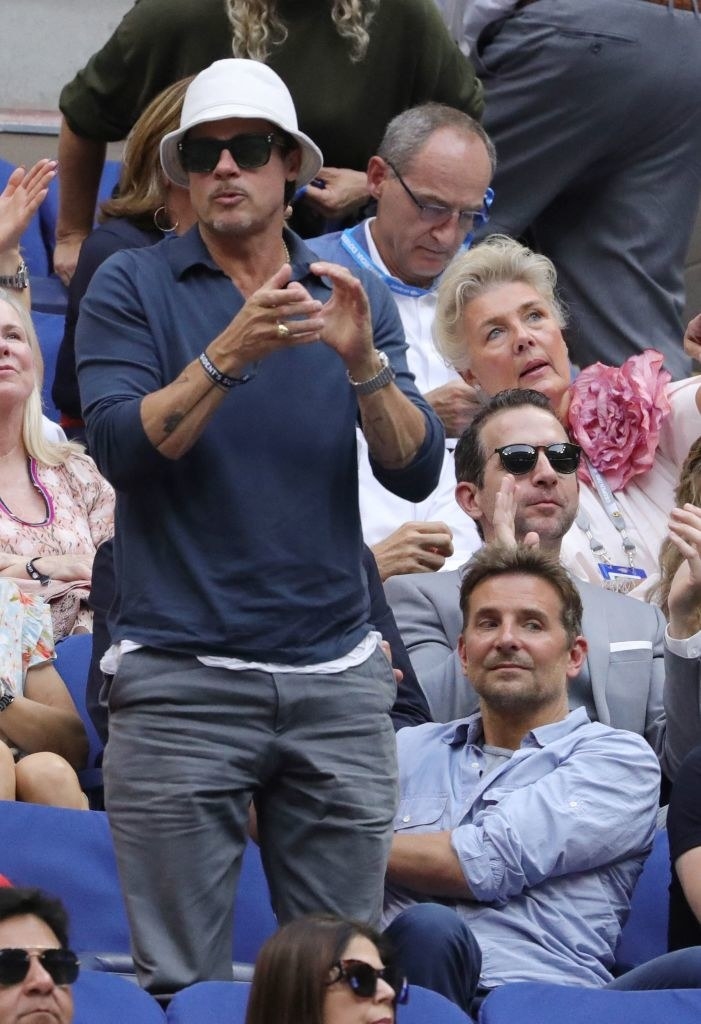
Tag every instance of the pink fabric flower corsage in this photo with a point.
(616, 414)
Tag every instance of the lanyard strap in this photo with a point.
(613, 511)
(362, 258)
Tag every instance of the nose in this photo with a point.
(38, 978)
(226, 165)
(384, 993)
(543, 472)
(523, 337)
(449, 232)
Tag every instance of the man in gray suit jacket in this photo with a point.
(640, 674)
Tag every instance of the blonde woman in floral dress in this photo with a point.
(55, 508)
(42, 739)
(500, 324)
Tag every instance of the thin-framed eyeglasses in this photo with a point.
(61, 964)
(362, 979)
(438, 213)
(201, 155)
(521, 458)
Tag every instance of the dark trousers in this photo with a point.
(439, 951)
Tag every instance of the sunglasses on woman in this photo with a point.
(521, 458)
(61, 964)
(201, 155)
(362, 979)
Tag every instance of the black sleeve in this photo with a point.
(410, 707)
(684, 831)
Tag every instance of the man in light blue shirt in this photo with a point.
(527, 822)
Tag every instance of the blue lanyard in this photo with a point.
(613, 511)
(362, 258)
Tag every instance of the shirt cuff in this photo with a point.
(689, 647)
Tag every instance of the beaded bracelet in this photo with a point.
(217, 377)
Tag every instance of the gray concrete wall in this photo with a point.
(44, 43)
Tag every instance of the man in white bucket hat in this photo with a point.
(222, 375)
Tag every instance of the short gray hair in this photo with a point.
(409, 131)
(497, 260)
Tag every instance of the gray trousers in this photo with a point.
(594, 109)
(189, 746)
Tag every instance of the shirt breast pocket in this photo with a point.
(421, 814)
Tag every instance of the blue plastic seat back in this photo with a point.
(644, 934)
(73, 656)
(108, 999)
(70, 854)
(535, 1003)
(210, 1002)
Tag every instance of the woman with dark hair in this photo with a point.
(325, 970)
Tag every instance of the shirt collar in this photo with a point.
(189, 251)
(469, 731)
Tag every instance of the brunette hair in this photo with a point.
(17, 902)
(292, 969)
(141, 181)
(688, 490)
(499, 560)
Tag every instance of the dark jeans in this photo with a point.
(439, 951)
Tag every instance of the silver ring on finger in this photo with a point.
(283, 330)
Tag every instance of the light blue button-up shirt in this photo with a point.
(551, 842)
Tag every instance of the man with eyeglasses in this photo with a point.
(430, 179)
(222, 375)
(36, 966)
(516, 472)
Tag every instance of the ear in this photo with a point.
(469, 378)
(462, 655)
(577, 657)
(293, 162)
(467, 497)
(377, 175)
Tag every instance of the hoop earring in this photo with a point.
(156, 216)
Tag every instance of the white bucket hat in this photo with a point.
(238, 88)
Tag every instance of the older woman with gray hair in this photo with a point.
(500, 324)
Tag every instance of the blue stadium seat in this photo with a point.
(107, 999)
(223, 1002)
(49, 328)
(73, 656)
(210, 1002)
(70, 853)
(67, 853)
(644, 935)
(427, 1007)
(536, 1003)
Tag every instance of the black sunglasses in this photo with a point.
(362, 979)
(62, 964)
(201, 156)
(521, 458)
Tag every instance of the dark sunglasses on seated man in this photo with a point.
(362, 979)
(61, 964)
(521, 458)
(201, 155)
